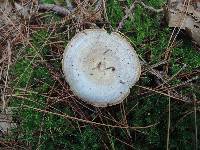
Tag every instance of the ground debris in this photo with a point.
(13, 18)
(6, 122)
(185, 16)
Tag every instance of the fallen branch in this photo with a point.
(58, 9)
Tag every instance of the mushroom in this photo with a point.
(100, 67)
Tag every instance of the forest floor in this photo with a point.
(161, 112)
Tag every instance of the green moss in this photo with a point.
(48, 1)
(115, 12)
(22, 71)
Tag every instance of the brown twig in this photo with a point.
(58, 9)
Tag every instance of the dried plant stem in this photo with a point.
(169, 121)
(195, 122)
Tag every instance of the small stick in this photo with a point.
(58, 9)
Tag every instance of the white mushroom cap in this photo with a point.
(100, 67)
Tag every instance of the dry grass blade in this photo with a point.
(195, 122)
(169, 123)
